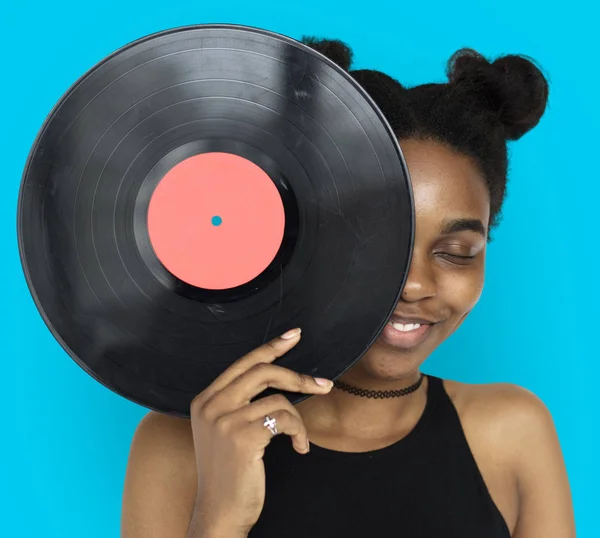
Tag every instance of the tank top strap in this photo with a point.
(435, 392)
(436, 384)
(443, 413)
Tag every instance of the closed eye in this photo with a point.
(455, 258)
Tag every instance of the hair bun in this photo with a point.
(384, 90)
(334, 49)
(514, 87)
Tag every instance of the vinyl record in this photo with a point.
(203, 190)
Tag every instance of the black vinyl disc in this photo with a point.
(330, 240)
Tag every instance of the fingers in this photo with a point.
(287, 424)
(266, 353)
(261, 376)
(270, 406)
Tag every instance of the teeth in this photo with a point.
(405, 328)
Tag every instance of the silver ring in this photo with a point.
(271, 423)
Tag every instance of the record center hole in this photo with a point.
(216, 220)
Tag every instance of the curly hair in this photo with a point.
(483, 105)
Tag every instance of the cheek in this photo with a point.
(461, 290)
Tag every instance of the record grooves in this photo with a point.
(201, 191)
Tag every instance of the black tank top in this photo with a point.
(427, 485)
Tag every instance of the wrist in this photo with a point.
(222, 531)
(205, 526)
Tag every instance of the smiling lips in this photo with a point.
(406, 332)
(406, 327)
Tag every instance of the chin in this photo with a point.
(386, 363)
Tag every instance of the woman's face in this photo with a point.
(444, 283)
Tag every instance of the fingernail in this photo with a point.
(291, 333)
(322, 382)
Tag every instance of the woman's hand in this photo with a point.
(230, 436)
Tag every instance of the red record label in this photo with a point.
(216, 221)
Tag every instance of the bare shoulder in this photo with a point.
(514, 441)
(503, 420)
(497, 406)
(161, 479)
(172, 431)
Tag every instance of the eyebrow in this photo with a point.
(459, 225)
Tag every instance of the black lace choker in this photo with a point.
(379, 393)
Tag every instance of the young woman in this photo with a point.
(392, 452)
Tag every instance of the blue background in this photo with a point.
(66, 438)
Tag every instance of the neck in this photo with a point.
(347, 415)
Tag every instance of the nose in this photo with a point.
(420, 282)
